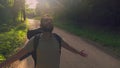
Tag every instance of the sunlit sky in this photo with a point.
(31, 3)
(44, 4)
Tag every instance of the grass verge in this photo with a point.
(106, 39)
(10, 40)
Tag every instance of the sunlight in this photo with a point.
(31, 3)
(46, 6)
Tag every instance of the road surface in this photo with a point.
(96, 57)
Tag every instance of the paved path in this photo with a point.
(96, 59)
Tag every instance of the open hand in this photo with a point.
(83, 54)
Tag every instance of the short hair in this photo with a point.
(47, 23)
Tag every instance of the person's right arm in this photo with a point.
(27, 49)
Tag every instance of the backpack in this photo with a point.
(36, 41)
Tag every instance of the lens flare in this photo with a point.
(31, 3)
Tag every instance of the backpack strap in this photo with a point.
(59, 39)
(36, 42)
(33, 53)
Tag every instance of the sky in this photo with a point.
(31, 3)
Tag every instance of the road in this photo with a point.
(96, 57)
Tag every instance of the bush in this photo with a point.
(2, 58)
(12, 39)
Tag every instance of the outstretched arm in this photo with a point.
(14, 58)
(66, 46)
(27, 49)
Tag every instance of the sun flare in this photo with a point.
(46, 6)
(31, 3)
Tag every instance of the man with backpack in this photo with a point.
(45, 46)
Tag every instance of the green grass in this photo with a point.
(2, 58)
(105, 38)
(12, 39)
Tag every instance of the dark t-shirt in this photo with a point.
(31, 33)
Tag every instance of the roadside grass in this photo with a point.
(2, 58)
(104, 38)
(11, 40)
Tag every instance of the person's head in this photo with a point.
(46, 23)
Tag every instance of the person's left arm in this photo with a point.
(66, 46)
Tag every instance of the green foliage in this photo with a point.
(11, 3)
(2, 58)
(12, 39)
(10, 10)
(30, 13)
(12, 33)
(104, 13)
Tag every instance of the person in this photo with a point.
(31, 33)
(47, 52)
